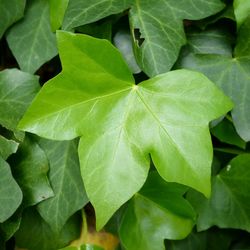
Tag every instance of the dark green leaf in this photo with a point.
(31, 39)
(30, 167)
(7, 147)
(17, 89)
(66, 181)
(34, 233)
(231, 75)
(10, 12)
(159, 24)
(225, 132)
(229, 205)
(156, 213)
(122, 123)
(10, 193)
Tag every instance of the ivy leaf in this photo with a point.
(31, 40)
(7, 147)
(159, 208)
(241, 11)
(10, 193)
(34, 233)
(121, 123)
(162, 34)
(66, 182)
(230, 196)
(231, 74)
(57, 11)
(83, 247)
(10, 12)
(17, 89)
(30, 167)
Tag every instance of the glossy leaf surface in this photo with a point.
(31, 40)
(65, 178)
(230, 197)
(120, 123)
(156, 213)
(241, 10)
(10, 193)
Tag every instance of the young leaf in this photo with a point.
(10, 193)
(57, 10)
(158, 212)
(120, 123)
(159, 24)
(66, 182)
(7, 147)
(31, 39)
(231, 75)
(30, 167)
(10, 12)
(241, 11)
(34, 233)
(17, 89)
(83, 247)
(230, 197)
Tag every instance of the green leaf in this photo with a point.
(122, 123)
(10, 12)
(30, 167)
(31, 40)
(34, 233)
(57, 11)
(10, 193)
(231, 75)
(225, 132)
(159, 208)
(66, 181)
(230, 197)
(83, 247)
(123, 42)
(7, 147)
(17, 89)
(162, 34)
(241, 11)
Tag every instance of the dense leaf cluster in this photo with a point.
(124, 124)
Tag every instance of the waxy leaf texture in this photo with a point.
(122, 124)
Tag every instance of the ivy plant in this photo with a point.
(124, 124)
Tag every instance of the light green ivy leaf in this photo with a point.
(10, 193)
(66, 181)
(231, 74)
(241, 11)
(17, 89)
(30, 166)
(10, 12)
(156, 213)
(57, 11)
(31, 40)
(159, 25)
(121, 123)
(230, 197)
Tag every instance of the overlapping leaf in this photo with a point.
(158, 23)
(241, 11)
(231, 74)
(31, 39)
(30, 167)
(10, 193)
(17, 89)
(7, 147)
(10, 12)
(120, 123)
(156, 213)
(66, 182)
(230, 197)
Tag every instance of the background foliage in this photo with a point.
(147, 142)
